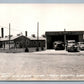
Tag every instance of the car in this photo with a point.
(81, 45)
(72, 46)
(59, 45)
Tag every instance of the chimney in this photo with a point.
(25, 33)
(2, 32)
(6, 36)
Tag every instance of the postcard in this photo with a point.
(41, 42)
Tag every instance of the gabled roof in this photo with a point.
(11, 38)
(15, 37)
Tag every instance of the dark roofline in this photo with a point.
(63, 32)
(16, 37)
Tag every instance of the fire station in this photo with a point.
(52, 36)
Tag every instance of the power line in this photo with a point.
(12, 28)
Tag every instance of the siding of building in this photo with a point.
(21, 42)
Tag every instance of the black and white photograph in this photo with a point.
(41, 42)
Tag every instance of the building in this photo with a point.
(21, 41)
(15, 42)
(34, 42)
(52, 36)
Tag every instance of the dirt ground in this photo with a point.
(43, 65)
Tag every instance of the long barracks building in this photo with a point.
(21, 42)
(52, 36)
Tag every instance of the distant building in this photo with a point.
(21, 41)
(34, 42)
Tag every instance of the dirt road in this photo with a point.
(44, 65)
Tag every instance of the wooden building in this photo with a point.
(21, 41)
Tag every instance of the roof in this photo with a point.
(35, 38)
(11, 38)
(14, 37)
(64, 32)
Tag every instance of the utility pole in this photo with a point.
(37, 30)
(9, 36)
(37, 36)
(65, 38)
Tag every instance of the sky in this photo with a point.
(51, 17)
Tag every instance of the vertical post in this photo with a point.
(46, 43)
(9, 36)
(26, 33)
(2, 32)
(65, 38)
(37, 36)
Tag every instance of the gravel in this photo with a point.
(43, 65)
